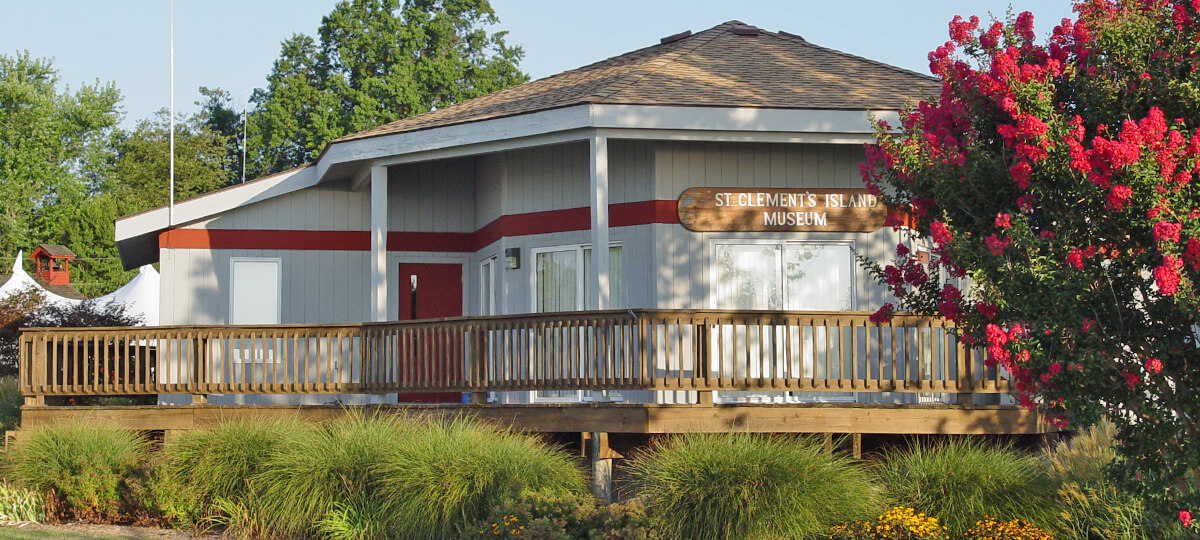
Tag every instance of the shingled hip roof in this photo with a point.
(714, 68)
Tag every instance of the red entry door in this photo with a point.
(430, 291)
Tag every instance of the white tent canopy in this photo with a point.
(140, 295)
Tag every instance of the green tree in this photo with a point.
(1060, 180)
(137, 179)
(51, 145)
(376, 61)
(219, 114)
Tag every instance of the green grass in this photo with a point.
(13, 533)
(716, 486)
(88, 466)
(962, 480)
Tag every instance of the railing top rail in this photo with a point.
(594, 314)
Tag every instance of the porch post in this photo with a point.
(379, 228)
(599, 200)
(599, 203)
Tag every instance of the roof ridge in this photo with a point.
(652, 66)
(802, 41)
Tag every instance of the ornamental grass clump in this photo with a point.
(20, 505)
(217, 463)
(962, 480)
(447, 475)
(85, 469)
(1090, 503)
(324, 480)
(717, 486)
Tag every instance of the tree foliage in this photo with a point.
(1058, 179)
(374, 62)
(51, 144)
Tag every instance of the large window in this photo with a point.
(562, 282)
(802, 276)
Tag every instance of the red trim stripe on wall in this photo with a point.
(571, 219)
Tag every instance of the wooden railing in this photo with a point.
(639, 349)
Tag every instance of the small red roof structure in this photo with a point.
(52, 263)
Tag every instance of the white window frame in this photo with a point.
(784, 397)
(580, 305)
(487, 269)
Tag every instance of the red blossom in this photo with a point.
(1166, 276)
(940, 232)
(1131, 380)
(1185, 518)
(988, 311)
(883, 315)
(1075, 258)
(1002, 221)
(1191, 254)
(996, 244)
(1055, 368)
(1154, 366)
(1117, 197)
(1165, 231)
(1025, 203)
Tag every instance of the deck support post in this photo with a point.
(601, 465)
(856, 445)
(704, 398)
(379, 229)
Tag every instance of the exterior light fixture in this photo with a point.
(512, 258)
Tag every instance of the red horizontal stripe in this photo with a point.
(571, 219)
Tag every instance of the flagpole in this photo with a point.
(171, 124)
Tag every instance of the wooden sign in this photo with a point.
(774, 209)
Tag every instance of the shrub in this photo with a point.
(19, 505)
(749, 486)
(447, 475)
(10, 403)
(961, 480)
(563, 517)
(165, 498)
(85, 468)
(899, 523)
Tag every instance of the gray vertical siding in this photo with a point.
(329, 207)
(435, 196)
(663, 265)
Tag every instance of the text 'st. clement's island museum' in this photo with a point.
(450, 260)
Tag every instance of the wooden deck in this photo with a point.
(606, 417)
(776, 352)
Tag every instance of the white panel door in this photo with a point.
(255, 294)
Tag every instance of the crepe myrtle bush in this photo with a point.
(1058, 178)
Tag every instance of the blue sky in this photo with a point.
(231, 44)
